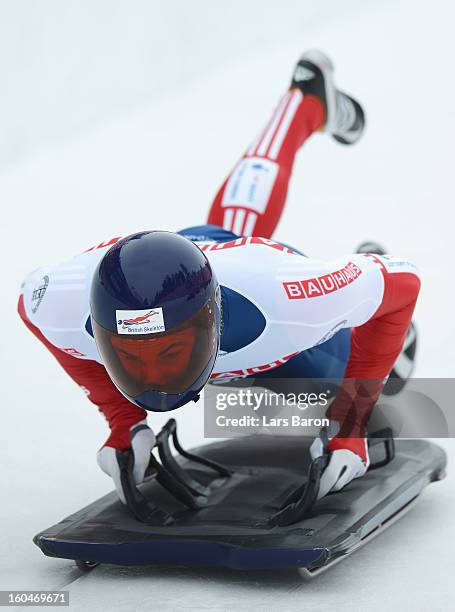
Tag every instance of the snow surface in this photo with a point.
(157, 164)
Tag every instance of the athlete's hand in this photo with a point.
(349, 459)
(142, 441)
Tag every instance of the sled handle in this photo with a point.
(170, 429)
(142, 508)
(170, 475)
(382, 436)
(176, 479)
(301, 501)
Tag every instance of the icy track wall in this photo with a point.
(65, 66)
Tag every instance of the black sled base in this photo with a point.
(234, 523)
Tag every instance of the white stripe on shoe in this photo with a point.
(282, 131)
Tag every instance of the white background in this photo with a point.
(117, 117)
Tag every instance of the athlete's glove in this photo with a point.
(349, 459)
(142, 440)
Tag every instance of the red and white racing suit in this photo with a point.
(304, 301)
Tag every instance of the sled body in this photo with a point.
(233, 529)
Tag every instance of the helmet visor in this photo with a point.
(169, 362)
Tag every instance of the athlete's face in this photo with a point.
(156, 360)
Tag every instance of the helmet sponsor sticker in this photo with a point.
(148, 321)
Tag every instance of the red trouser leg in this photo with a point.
(251, 199)
(120, 413)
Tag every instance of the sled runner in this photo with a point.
(247, 503)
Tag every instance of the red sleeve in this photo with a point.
(375, 346)
(120, 413)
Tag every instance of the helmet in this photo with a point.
(155, 311)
